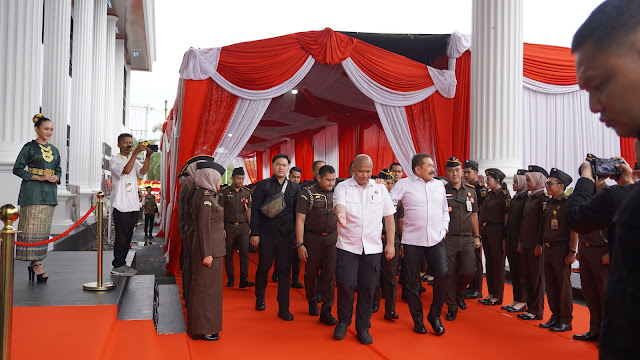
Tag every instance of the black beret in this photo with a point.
(442, 178)
(385, 174)
(536, 168)
(560, 175)
(211, 165)
(495, 173)
(238, 171)
(471, 164)
(196, 158)
(521, 172)
(453, 162)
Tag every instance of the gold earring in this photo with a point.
(37, 136)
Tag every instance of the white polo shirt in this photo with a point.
(124, 198)
(365, 211)
(426, 212)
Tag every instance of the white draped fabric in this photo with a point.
(199, 64)
(325, 146)
(458, 44)
(243, 122)
(396, 127)
(548, 88)
(560, 130)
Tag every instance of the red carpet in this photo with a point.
(93, 332)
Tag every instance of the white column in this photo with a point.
(110, 72)
(81, 103)
(118, 106)
(496, 85)
(98, 93)
(20, 85)
(55, 96)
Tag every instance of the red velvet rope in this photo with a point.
(61, 235)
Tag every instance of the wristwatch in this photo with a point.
(477, 237)
(297, 245)
(572, 251)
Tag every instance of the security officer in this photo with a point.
(461, 239)
(471, 177)
(560, 244)
(593, 255)
(316, 235)
(387, 286)
(493, 216)
(236, 201)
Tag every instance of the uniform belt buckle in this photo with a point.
(547, 245)
(587, 244)
(324, 234)
(461, 235)
(236, 223)
(382, 237)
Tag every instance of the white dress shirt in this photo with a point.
(124, 198)
(365, 210)
(426, 212)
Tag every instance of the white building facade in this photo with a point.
(70, 60)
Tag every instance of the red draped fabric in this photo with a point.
(461, 108)
(260, 164)
(430, 127)
(549, 64)
(626, 150)
(263, 64)
(304, 156)
(374, 143)
(348, 145)
(206, 111)
(251, 170)
(314, 106)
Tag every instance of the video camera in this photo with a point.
(604, 167)
(153, 148)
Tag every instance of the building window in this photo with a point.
(43, 8)
(71, 49)
(68, 154)
(124, 98)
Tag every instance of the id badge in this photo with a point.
(554, 224)
(129, 187)
(469, 207)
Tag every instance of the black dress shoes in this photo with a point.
(523, 308)
(485, 301)
(419, 328)
(451, 315)
(313, 309)
(422, 289)
(473, 295)
(327, 318)
(460, 300)
(296, 284)
(588, 336)
(375, 308)
(526, 316)
(561, 327)
(212, 337)
(549, 324)
(230, 282)
(436, 324)
(392, 315)
(245, 283)
(364, 337)
(340, 331)
(494, 302)
(260, 305)
(285, 315)
(505, 307)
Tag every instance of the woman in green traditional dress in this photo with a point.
(38, 164)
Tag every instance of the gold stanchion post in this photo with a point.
(8, 214)
(99, 285)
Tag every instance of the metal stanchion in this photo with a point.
(99, 285)
(8, 214)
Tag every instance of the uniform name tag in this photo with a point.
(129, 187)
(554, 224)
(469, 207)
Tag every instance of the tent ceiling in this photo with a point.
(422, 48)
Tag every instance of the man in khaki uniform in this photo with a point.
(236, 201)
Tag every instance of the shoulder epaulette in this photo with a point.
(246, 188)
(471, 186)
(480, 184)
(206, 193)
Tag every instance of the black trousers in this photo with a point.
(593, 277)
(476, 283)
(387, 288)
(273, 244)
(437, 259)
(515, 269)
(322, 257)
(362, 271)
(148, 224)
(124, 223)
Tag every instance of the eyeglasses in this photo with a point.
(550, 184)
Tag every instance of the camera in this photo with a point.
(604, 167)
(153, 148)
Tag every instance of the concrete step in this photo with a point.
(168, 317)
(137, 299)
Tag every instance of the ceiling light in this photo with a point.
(294, 91)
(230, 135)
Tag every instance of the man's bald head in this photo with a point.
(362, 168)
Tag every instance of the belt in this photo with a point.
(460, 235)
(492, 223)
(594, 246)
(41, 171)
(235, 223)
(556, 244)
(319, 233)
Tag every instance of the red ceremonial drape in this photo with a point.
(260, 164)
(548, 64)
(626, 150)
(348, 145)
(374, 143)
(250, 167)
(461, 108)
(304, 156)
